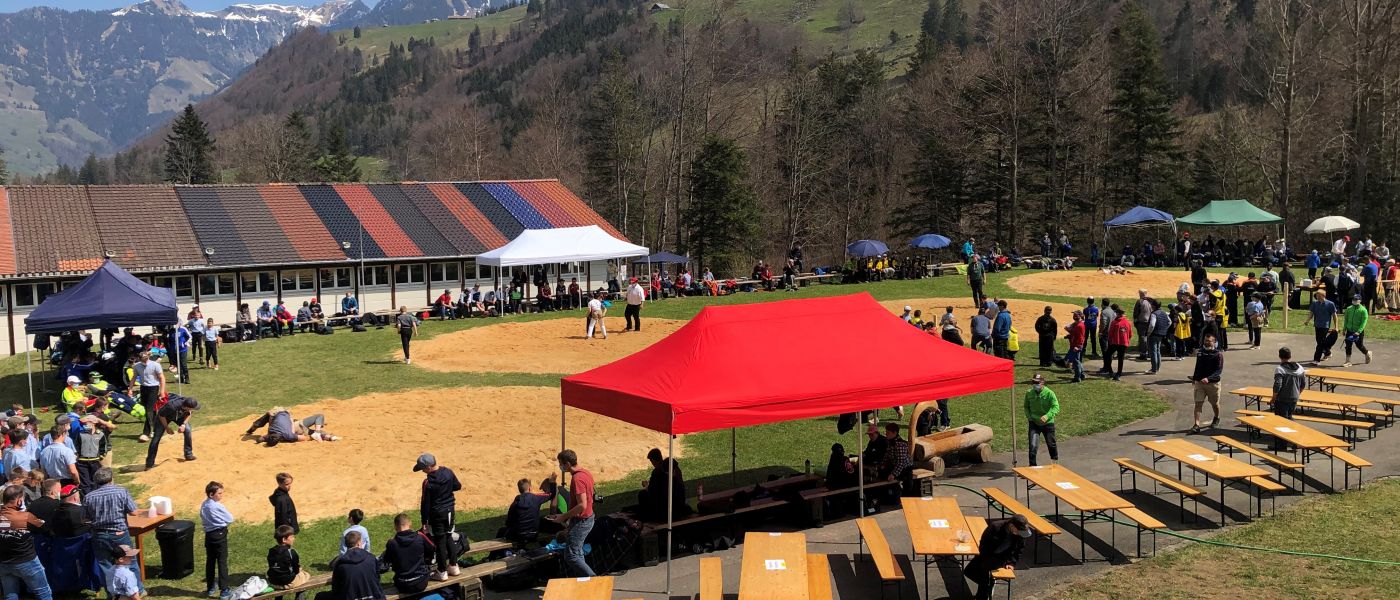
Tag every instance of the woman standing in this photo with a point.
(407, 326)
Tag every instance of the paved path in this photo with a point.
(1090, 456)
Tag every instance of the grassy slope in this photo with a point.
(1355, 524)
(448, 33)
(349, 364)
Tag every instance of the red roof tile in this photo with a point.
(303, 227)
(53, 228)
(469, 215)
(7, 236)
(378, 223)
(167, 238)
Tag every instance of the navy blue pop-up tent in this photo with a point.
(1139, 216)
(664, 258)
(109, 297)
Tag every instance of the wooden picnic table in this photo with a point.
(1329, 379)
(1223, 468)
(1087, 497)
(935, 526)
(1347, 404)
(579, 588)
(139, 525)
(1302, 437)
(774, 566)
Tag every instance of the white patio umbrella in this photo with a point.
(1332, 224)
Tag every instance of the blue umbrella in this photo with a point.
(930, 241)
(867, 248)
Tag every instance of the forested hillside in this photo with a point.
(830, 121)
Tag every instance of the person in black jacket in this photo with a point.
(67, 520)
(439, 506)
(283, 564)
(652, 498)
(1210, 363)
(284, 511)
(523, 517)
(1000, 547)
(407, 554)
(355, 574)
(1047, 329)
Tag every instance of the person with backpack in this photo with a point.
(438, 507)
(1159, 328)
(1290, 378)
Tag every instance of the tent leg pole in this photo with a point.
(563, 427)
(1013, 433)
(733, 459)
(670, 503)
(29, 374)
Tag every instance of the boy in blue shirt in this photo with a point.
(355, 517)
(216, 520)
(122, 584)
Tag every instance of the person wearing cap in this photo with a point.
(578, 520)
(438, 507)
(633, 313)
(215, 519)
(73, 394)
(58, 459)
(267, 317)
(1042, 406)
(908, 313)
(999, 548)
(177, 412)
(1354, 320)
(18, 561)
(122, 583)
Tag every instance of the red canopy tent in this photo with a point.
(751, 364)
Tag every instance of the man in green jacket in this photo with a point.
(1041, 408)
(1354, 327)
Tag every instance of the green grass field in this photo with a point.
(348, 364)
(450, 34)
(1355, 524)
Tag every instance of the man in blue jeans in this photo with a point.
(106, 508)
(579, 519)
(18, 562)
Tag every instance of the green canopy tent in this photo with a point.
(1232, 212)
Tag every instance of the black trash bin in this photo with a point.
(176, 540)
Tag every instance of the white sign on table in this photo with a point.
(938, 523)
(1199, 457)
(1285, 430)
(1065, 485)
(777, 564)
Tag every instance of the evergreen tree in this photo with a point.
(721, 222)
(336, 163)
(4, 169)
(189, 150)
(613, 131)
(952, 27)
(533, 8)
(941, 189)
(297, 152)
(927, 47)
(357, 32)
(92, 172)
(474, 42)
(1143, 131)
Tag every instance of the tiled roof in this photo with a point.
(49, 229)
(166, 240)
(54, 229)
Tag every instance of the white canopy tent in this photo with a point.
(559, 245)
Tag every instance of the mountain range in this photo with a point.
(73, 83)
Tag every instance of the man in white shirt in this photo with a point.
(1339, 247)
(633, 313)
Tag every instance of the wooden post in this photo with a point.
(1287, 297)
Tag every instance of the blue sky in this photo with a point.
(14, 5)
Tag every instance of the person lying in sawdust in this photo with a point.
(1115, 270)
(281, 427)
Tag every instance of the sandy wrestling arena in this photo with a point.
(1083, 282)
(550, 346)
(490, 436)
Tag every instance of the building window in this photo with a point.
(301, 280)
(335, 278)
(372, 276)
(259, 281)
(216, 284)
(408, 274)
(445, 272)
(33, 294)
(182, 284)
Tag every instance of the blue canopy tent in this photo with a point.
(1137, 217)
(109, 297)
(662, 258)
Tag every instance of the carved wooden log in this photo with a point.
(953, 440)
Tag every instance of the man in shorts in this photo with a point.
(1206, 381)
(281, 427)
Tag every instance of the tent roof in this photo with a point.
(109, 297)
(1230, 212)
(565, 244)
(734, 366)
(663, 258)
(1140, 215)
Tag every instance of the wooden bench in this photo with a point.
(1349, 462)
(1264, 486)
(1349, 426)
(1376, 415)
(873, 538)
(1144, 522)
(1295, 469)
(816, 497)
(1185, 490)
(316, 581)
(976, 527)
(1006, 504)
(712, 579)
(818, 577)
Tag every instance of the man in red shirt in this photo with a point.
(579, 519)
(444, 305)
(1077, 336)
(1120, 335)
